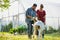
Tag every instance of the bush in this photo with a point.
(7, 28)
(51, 30)
(13, 30)
(58, 29)
(45, 30)
(20, 29)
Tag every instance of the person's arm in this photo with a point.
(44, 14)
(37, 14)
(28, 14)
(44, 17)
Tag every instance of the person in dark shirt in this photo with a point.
(30, 14)
(41, 15)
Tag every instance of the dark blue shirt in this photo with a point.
(30, 12)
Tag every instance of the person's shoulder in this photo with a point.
(29, 9)
(37, 9)
(43, 10)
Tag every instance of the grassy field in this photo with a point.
(7, 36)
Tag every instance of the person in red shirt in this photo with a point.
(41, 15)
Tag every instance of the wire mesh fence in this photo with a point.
(13, 14)
(20, 19)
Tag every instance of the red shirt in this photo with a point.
(41, 15)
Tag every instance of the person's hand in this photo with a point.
(29, 16)
(34, 18)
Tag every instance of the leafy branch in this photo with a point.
(4, 4)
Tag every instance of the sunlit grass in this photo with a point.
(7, 36)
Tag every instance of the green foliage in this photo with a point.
(5, 4)
(59, 29)
(8, 36)
(7, 28)
(13, 30)
(51, 30)
(45, 29)
(20, 29)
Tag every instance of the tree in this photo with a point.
(4, 4)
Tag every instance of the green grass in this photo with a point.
(54, 34)
(8, 36)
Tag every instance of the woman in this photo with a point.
(41, 15)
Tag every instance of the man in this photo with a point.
(30, 14)
(41, 14)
